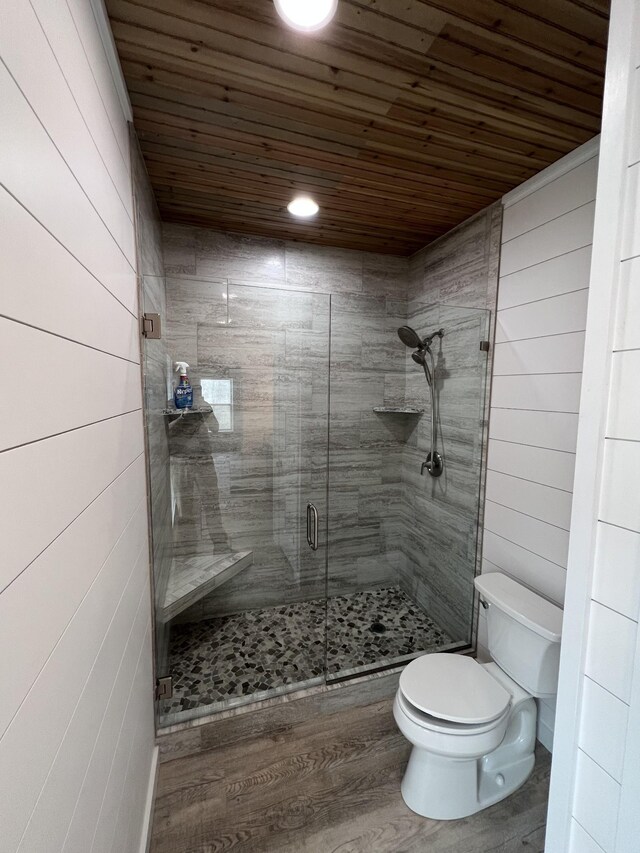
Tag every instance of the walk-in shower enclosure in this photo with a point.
(295, 539)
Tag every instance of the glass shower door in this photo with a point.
(402, 544)
(245, 600)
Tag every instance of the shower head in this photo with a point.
(412, 339)
(409, 337)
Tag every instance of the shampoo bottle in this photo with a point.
(183, 394)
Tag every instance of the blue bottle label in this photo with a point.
(183, 397)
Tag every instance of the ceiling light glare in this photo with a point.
(306, 16)
(303, 206)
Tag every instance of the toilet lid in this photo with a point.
(455, 688)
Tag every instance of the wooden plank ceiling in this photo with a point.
(402, 118)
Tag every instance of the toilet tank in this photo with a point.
(524, 633)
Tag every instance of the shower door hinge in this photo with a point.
(151, 326)
(164, 687)
(485, 346)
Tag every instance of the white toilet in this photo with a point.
(472, 725)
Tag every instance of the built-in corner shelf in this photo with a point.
(398, 410)
(191, 578)
(194, 410)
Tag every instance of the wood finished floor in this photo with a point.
(328, 785)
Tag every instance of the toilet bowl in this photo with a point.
(472, 726)
(458, 768)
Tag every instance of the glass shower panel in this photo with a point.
(245, 607)
(157, 370)
(402, 544)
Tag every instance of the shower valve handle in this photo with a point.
(433, 463)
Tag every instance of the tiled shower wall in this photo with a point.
(224, 316)
(453, 284)
(386, 522)
(367, 370)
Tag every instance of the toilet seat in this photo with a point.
(446, 727)
(453, 693)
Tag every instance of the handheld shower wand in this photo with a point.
(410, 338)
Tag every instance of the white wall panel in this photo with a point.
(534, 499)
(620, 496)
(631, 223)
(634, 142)
(64, 210)
(603, 728)
(74, 574)
(85, 69)
(554, 316)
(69, 664)
(562, 353)
(70, 472)
(563, 274)
(597, 797)
(627, 334)
(553, 430)
(568, 192)
(126, 826)
(49, 289)
(580, 840)
(540, 538)
(603, 598)
(543, 295)
(539, 465)
(48, 825)
(101, 71)
(624, 406)
(99, 386)
(113, 670)
(65, 571)
(87, 808)
(483, 636)
(611, 650)
(48, 94)
(634, 135)
(563, 234)
(116, 801)
(616, 579)
(546, 723)
(546, 392)
(533, 571)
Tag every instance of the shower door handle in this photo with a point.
(312, 527)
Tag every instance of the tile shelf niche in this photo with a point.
(398, 410)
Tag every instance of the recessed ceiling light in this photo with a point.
(303, 206)
(307, 16)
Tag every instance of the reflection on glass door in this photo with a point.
(243, 603)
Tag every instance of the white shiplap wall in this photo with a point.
(542, 305)
(596, 775)
(76, 722)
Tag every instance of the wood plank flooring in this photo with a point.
(327, 785)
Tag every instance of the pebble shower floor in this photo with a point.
(230, 657)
